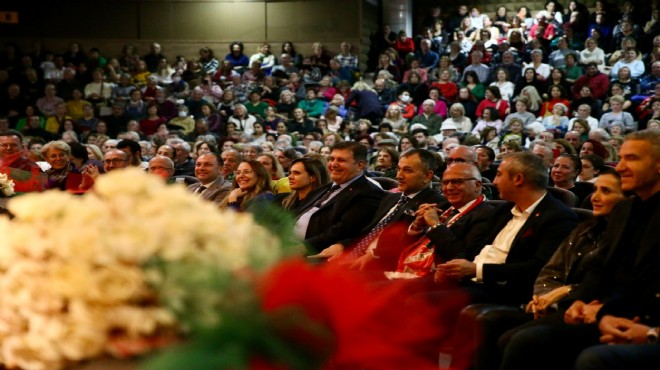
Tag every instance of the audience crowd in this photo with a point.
(460, 159)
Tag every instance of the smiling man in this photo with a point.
(16, 166)
(339, 211)
(383, 236)
(447, 230)
(614, 314)
(523, 236)
(211, 186)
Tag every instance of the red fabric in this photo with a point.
(448, 90)
(547, 107)
(149, 127)
(598, 84)
(372, 328)
(501, 110)
(404, 47)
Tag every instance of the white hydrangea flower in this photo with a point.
(72, 267)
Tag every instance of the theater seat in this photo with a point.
(566, 196)
(386, 182)
(583, 214)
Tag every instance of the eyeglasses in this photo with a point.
(456, 182)
(12, 146)
(114, 161)
(245, 172)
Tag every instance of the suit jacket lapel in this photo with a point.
(213, 189)
(531, 220)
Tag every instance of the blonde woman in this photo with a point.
(393, 117)
(458, 118)
(278, 182)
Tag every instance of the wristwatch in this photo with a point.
(652, 335)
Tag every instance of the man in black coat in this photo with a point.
(385, 234)
(525, 234)
(448, 230)
(618, 303)
(339, 211)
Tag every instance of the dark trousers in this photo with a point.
(547, 343)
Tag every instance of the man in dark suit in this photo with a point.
(385, 234)
(525, 234)
(623, 288)
(340, 210)
(211, 186)
(448, 231)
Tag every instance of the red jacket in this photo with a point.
(598, 84)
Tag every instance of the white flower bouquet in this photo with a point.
(6, 186)
(77, 272)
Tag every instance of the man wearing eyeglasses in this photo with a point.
(461, 154)
(161, 166)
(115, 159)
(15, 165)
(445, 232)
(524, 234)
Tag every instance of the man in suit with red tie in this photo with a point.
(386, 229)
(460, 228)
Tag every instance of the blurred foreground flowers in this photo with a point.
(137, 266)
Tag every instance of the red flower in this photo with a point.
(372, 326)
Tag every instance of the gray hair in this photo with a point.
(58, 144)
(531, 166)
(429, 101)
(184, 144)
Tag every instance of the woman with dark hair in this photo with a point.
(251, 185)
(592, 166)
(493, 99)
(564, 173)
(306, 175)
(150, 123)
(556, 95)
(236, 57)
(466, 99)
(593, 147)
(387, 160)
(166, 150)
(407, 142)
(564, 147)
(208, 61)
(489, 118)
(582, 127)
(471, 81)
(529, 78)
(212, 118)
(203, 147)
(557, 78)
(296, 57)
(366, 140)
(225, 74)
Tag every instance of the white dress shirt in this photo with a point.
(497, 252)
